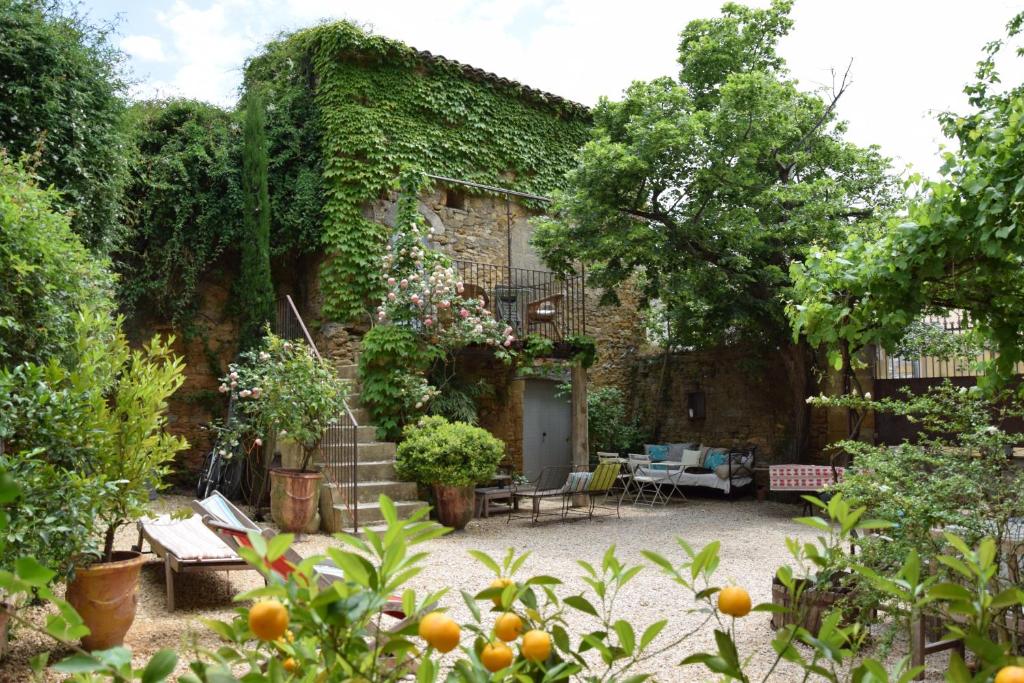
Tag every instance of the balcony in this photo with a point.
(532, 302)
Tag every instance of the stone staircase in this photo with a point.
(375, 466)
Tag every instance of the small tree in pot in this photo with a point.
(284, 386)
(124, 396)
(452, 457)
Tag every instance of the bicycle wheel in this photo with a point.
(230, 476)
(208, 475)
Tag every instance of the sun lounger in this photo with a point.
(186, 545)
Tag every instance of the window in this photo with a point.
(454, 199)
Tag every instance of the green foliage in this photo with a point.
(255, 291)
(457, 398)
(436, 451)
(46, 275)
(959, 246)
(708, 185)
(377, 106)
(584, 349)
(60, 88)
(608, 428)
(283, 386)
(392, 362)
(182, 205)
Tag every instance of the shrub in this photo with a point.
(46, 274)
(282, 386)
(609, 429)
(436, 451)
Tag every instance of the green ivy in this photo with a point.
(390, 357)
(376, 106)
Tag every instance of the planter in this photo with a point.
(295, 499)
(5, 619)
(813, 606)
(454, 504)
(104, 594)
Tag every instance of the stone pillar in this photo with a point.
(580, 424)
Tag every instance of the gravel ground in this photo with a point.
(752, 536)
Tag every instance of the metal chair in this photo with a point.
(621, 481)
(550, 483)
(649, 478)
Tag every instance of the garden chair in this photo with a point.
(550, 483)
(186, 545)
(233, 527)
(545, 311)
(597, 484)
(621, 481)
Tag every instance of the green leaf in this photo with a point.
(627, 637)
(578, 602)
(33, 573)
(77, 664)
(651, 632)
(160, 666)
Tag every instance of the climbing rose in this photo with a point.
(464, 313)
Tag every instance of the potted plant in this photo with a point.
(452, 457)
(283, 387)
(129, 455)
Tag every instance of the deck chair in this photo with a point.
(550, 483)
(233, 527)
(186, 545)
(621, 481)
(598, 484)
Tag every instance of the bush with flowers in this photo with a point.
(424, 318)
(280, 387)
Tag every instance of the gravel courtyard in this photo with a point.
(752, 536)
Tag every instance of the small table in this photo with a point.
(486, 496)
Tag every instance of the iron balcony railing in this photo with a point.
(894, 366)
(339, 446)
(530, 301)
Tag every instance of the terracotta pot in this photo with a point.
(294, 498)
(104, 594)
(814, 605)
(454, 504)
(5, 619)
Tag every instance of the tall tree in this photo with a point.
(255, 288)
(959, 247)
(704, 188)
(60, 87)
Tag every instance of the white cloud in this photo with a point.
(909, 57)
(146, 48)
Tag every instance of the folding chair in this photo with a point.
(649, 479)
(598, 484)
(621, 481)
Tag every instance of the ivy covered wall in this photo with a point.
(347, 110)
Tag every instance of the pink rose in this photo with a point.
(404, 284)
(258, 441)
(428, 322)
(391, 296)
(464, 313)
(391, 281)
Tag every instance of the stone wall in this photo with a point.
(207, 350)
(746, 401)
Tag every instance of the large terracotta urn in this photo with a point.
(295, 499)
(454, 504)
(105, 595)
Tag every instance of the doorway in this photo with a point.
(547, 427)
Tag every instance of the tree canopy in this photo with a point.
(705, 188)
(960, 245)
(60, 87)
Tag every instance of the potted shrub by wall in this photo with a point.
(284, 387)
(129, 455)
(452, 457)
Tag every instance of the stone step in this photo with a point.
(370, 491)
(338, 517)
(361, 415)
(349, 372)
(366, 470)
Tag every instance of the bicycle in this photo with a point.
(221, 471)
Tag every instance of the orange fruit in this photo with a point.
(268, 620)
(536, 646)
(496, 656)
(1010, 674)
(290, 664)
(440, 631)
(734, 601)
(508, 626)
(500, 582)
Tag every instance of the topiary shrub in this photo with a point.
(436, 451)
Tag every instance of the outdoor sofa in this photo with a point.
(710, 467)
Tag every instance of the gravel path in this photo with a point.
(752, 536)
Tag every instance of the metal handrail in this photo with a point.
(340, 444)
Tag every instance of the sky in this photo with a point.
(910, 58)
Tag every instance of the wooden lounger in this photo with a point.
(186, 545)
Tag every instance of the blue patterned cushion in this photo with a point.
(716, 457)
(656, 451)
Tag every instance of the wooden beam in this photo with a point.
(580, 425)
